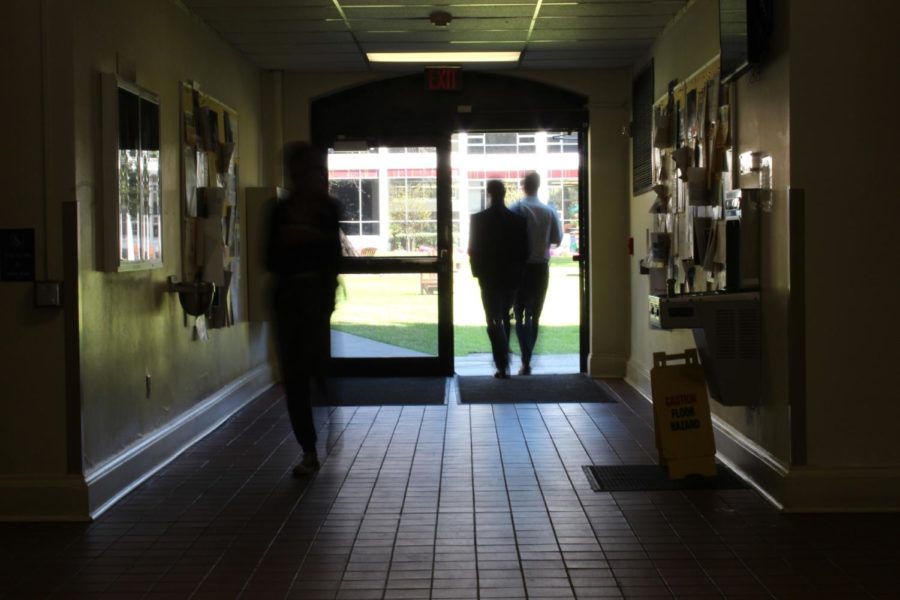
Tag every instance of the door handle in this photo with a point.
(576, 257)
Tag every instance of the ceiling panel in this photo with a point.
(422, 12)
(424, 25)
(286, 25)
(332, 34)
(466, 37)
(654, 22)
(274, 13)
(604, 9)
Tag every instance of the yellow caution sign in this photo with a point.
(684, 435)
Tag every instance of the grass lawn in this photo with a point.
(390, 308)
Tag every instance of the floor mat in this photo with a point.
(375, 391)
(646, 478)
(541, 389)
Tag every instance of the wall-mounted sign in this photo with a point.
(443, 79)
(16, 254)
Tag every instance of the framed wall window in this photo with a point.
(132, 190)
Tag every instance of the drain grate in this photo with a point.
(648, 478)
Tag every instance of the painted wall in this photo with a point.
(608, 93)
(763, 124)
(131, 325)
(32, 367)
(844, 153)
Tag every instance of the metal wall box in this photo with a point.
(727, 332)
(742, 238)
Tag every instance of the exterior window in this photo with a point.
(500, 143)
(477, 199)
(562, 142)
(525, 143)
(563, 196)
(413, 212)
(359, 202)
(475, 144)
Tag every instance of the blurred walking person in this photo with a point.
(304, 248)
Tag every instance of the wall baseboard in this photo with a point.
(842, 489)
(638, 377)
(43, 499)
(115, 478)
(606, 365)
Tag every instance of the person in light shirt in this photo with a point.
(544, 231)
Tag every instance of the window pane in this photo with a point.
(370, 199)
(409, 207)
(350, 228)
(347, 193)
(386, 315)
(500, 138)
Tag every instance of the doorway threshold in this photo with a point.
(541, 364)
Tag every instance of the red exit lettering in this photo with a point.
(443, 79)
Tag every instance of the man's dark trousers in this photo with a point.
(529, 303)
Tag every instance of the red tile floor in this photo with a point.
(443, 502)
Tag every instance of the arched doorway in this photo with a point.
(402, 115)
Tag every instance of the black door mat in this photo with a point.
(376, 391)
(541, 389)
(649, 478)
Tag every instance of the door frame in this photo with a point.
(441, 264)
(401, 111)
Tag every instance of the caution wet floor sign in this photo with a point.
(684, 436)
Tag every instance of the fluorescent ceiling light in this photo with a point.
(446, 57)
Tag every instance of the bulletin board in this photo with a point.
(691, 165)
(211, 244)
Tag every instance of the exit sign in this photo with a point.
(443, 79)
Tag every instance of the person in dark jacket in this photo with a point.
(304, 249)
(498, 249)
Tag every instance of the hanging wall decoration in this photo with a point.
(691, 149)
(211, 227)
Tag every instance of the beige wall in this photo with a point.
(763, 125)
(844, 154)
(608, 93)
(32, 369)
(131, 326)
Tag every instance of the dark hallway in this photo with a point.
(452, 501)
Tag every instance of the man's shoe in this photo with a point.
(525, 370)
(307, 466)
(501, 374)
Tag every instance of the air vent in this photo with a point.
(641, 130)
(748, 333)
(726, 334)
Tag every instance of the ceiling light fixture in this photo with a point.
(442, 57)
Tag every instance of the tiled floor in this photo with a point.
(442, 502)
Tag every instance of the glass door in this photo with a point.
(394, 304)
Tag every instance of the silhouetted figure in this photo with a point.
(498, 247)
(304, 249)
(544, 230)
